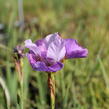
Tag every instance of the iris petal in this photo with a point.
(41, 66)
(50, 38)
(32, 47)
(42, 46)
(73, 50)
(36, 65)
(56, 50)
(56, 67)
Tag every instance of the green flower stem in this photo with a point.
(51, 85)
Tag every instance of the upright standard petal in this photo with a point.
(32, 47)
(50, 38)
(56, 49)
(73, 50)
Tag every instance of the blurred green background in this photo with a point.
(82, 83)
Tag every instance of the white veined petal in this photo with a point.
(62, 53)
(51, 37)
(56, 50)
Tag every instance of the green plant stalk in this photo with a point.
(21, 95)
(21, 80)
(51, 85)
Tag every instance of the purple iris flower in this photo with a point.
(47, 54)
